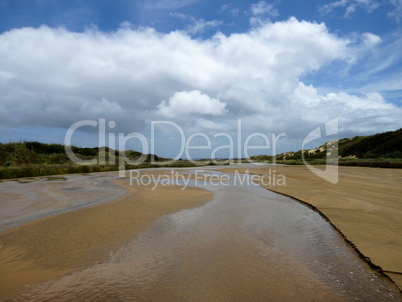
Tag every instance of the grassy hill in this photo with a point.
(28, 159)
(383, 145)
(382, 149)
(15, 154)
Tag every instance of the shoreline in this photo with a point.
(366, 259)
(349, 211)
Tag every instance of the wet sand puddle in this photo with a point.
(248, 244)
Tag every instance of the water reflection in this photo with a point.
(247, 244)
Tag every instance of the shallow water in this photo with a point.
(246, 244)
(35, 198)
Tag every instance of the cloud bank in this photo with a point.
(52, 78)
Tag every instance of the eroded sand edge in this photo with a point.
(365, 205)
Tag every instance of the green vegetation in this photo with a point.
(30, 159)
(267, 158)
(378, 150)
(383, 145)
(17, 154)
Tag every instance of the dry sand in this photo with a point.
(53, 246)
(365, 205)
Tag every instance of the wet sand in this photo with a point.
(57, 245)
(29, 199)
(246, 242)
(365, 205)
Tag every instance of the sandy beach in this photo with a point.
(56, 245)
(365, 205)
(77, 245)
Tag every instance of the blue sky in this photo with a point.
(379, 17)
(284, 66)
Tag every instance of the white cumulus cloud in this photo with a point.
(52, 78)
(189, 102)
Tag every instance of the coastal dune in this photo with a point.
(56, 245)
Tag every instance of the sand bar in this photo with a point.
(366, 206)
(29, 199)
(56, 245)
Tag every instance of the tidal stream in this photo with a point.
(247, 244)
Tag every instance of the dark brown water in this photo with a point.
(248, 244)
